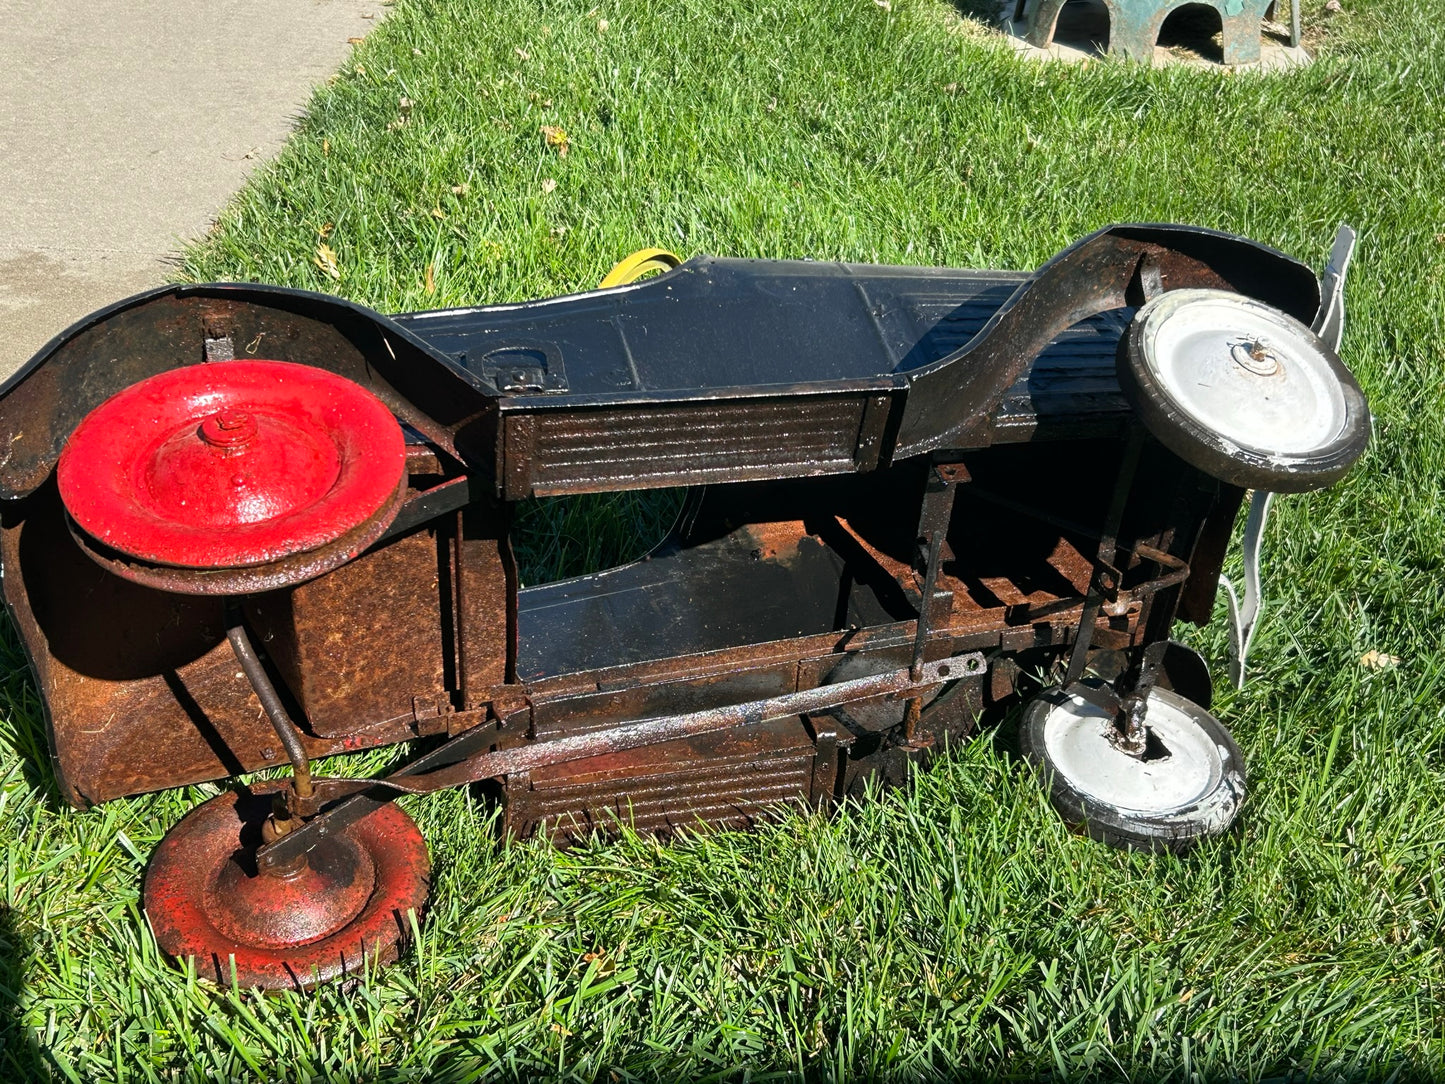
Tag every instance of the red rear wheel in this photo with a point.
(233, 476)
(345, 906)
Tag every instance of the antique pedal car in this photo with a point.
(245, 525)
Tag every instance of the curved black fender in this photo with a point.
(1118, 266)
(43, 402)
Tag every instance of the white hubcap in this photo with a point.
(1244, 371)
(1077, 740)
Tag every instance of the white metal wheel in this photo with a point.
(1242, 391)
(1189, 784)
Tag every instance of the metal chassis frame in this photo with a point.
(486, 447)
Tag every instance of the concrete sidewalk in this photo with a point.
(125, 127)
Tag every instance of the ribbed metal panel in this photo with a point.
(724, 792)
(1072, 381)
(696, 441)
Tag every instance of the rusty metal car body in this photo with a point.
(913, 492)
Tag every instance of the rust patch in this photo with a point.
(777, 541)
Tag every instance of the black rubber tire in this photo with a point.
(1172, 829)
(1202, 447)
(1184, 671)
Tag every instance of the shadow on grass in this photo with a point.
(20, 700)
(20, 1057)
(984, 12)
(663, 1067)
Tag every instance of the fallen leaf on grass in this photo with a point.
(524, 54)
(549, 186)
(602, 25)
(601, 960)
(325, 259)
(819, 1036)
(430, 284)
(354, 41)
(555, 137)
(325, 231)
(438, 214)
(461, 189)
(1379, 660)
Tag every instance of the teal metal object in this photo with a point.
(1134, 25)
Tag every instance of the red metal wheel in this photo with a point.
(346, 905)
(234, 465)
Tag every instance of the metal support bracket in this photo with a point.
(933, 524)
(1107, 555)
(477, 765)
(1244, 613)
(1329, 325)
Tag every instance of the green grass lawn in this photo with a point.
(955, 928)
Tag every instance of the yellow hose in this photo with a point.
(641, 262)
